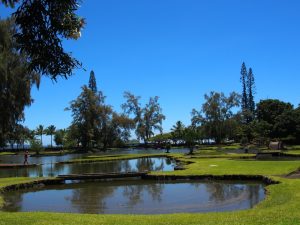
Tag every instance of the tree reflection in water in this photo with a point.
(134, 193)
(50, 169)
(149, 164)
(220, 192)
(137, 196)
(91, 199)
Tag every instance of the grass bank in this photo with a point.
(99, 158)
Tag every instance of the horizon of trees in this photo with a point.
(96, 125)
(268, 120)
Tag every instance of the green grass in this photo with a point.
(96, 158)
(7, 153)
(293, 152)
(293, 147)
(4, 182)
(281, 206)
(224, 166)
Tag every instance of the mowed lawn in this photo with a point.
(281, 206)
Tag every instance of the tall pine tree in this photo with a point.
(251, 92)
(248, 91)
(92, 82)
(243, 78)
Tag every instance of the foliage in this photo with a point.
(40, 130)
(177, 132)
(147, 119)
(161, 139)
(216, 116)
(42, 27)
(92, 82)
(190, 137)
(15, 81)
(251, 92)
(95, 124)
(244, 87)
(59, 137)
(50, 131)
(278, 116)
(36, 146)
(248, 91)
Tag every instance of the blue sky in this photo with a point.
(178, 50)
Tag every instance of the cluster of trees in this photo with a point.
(96, 125)
(236, 117)
(23, 135)
(31, 46)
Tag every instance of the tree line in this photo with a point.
(96, 124)
(236, 118)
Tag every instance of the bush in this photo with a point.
(36, 146)
(244, 141)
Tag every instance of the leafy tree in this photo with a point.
(147, 119)
(273, 113)
(19, 136)
(59, 137)
(42, 27)
(36, 146)
(97, 124)
(122, 126)
(72, 137)
(261, 132)
(15, 81)
(161, 139)
(177, 131)
(40, 131)
(287, 126)
(190, 137)
(215, 115)
(50, 131)
(84, 109)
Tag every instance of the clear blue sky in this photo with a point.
(178, 50)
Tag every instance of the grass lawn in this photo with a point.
(7, 153)
(280, 207)
(97, 158)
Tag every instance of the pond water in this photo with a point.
(49, 169)
(137, 197)
(19, 159)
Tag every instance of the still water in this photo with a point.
(137, 197)
(50, 169)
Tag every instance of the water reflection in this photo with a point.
(54, 169)
(137, 197)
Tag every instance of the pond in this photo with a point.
(19, 159)
(137, 197)
(49, 169)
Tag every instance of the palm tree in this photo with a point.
(40, 131)
(51, 131)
